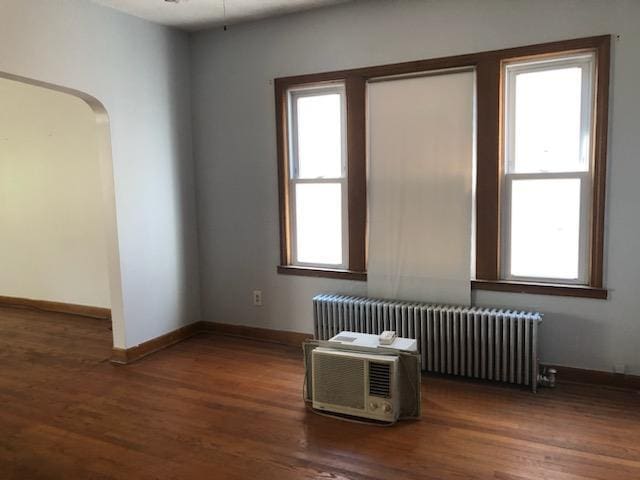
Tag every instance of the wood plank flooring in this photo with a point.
(215, 407)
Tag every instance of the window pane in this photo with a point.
(547, 122)
(319, 136)
(319, 223)
(545, 228)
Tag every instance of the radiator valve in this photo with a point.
(547, 378)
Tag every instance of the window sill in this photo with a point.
(540, 288)
(322, 272)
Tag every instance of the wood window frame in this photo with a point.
(489, 171)
(488, 68)
(296, 179)
(582, 172)
(355, 95)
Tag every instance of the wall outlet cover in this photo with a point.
(257, 298)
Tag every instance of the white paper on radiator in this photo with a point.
(421, 134)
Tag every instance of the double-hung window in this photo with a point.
(547, 169)
(540, 172)
(318, 195)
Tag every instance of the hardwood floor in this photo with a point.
(214, 407)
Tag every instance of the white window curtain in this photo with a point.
(421, 148)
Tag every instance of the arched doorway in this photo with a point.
(105, 201)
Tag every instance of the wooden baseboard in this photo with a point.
(595, 377)
(122, 356)
(263, 334)
(57, 307)
(129, 355)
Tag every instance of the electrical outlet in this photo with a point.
(257, 298)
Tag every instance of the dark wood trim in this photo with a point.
(488, 168)
(489, 146)
(357, 171)
(454, 61)
(119, 356)
(322, 272)
(488, 204)
(129, 355)
(295, 339)
(282, 139)
(357, 180)
(603, 52)
(263, 334)
(57, 307)
(383, 70)
(540, 288)
(595, 377)
(123, 356)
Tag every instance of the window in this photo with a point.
(322, 177)
(318, 177)
(541, 148)
(547, 180)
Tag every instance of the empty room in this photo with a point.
(319, 239)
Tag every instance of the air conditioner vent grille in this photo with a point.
(380, 379)
(339, 380)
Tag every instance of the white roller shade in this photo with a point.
(421, 134)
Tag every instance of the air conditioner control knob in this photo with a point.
(373, 405)
(387, 408)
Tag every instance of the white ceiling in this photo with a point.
(198, 14)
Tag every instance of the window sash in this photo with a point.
(586, 62)
(294, 179)
(314, 91)
(344, 217)
(586, 181)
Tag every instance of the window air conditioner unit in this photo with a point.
(357, 384)
(353, 375)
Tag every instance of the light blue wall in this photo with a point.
(235, 151)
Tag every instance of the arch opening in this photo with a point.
(106, 205)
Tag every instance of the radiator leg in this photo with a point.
(547, 378)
